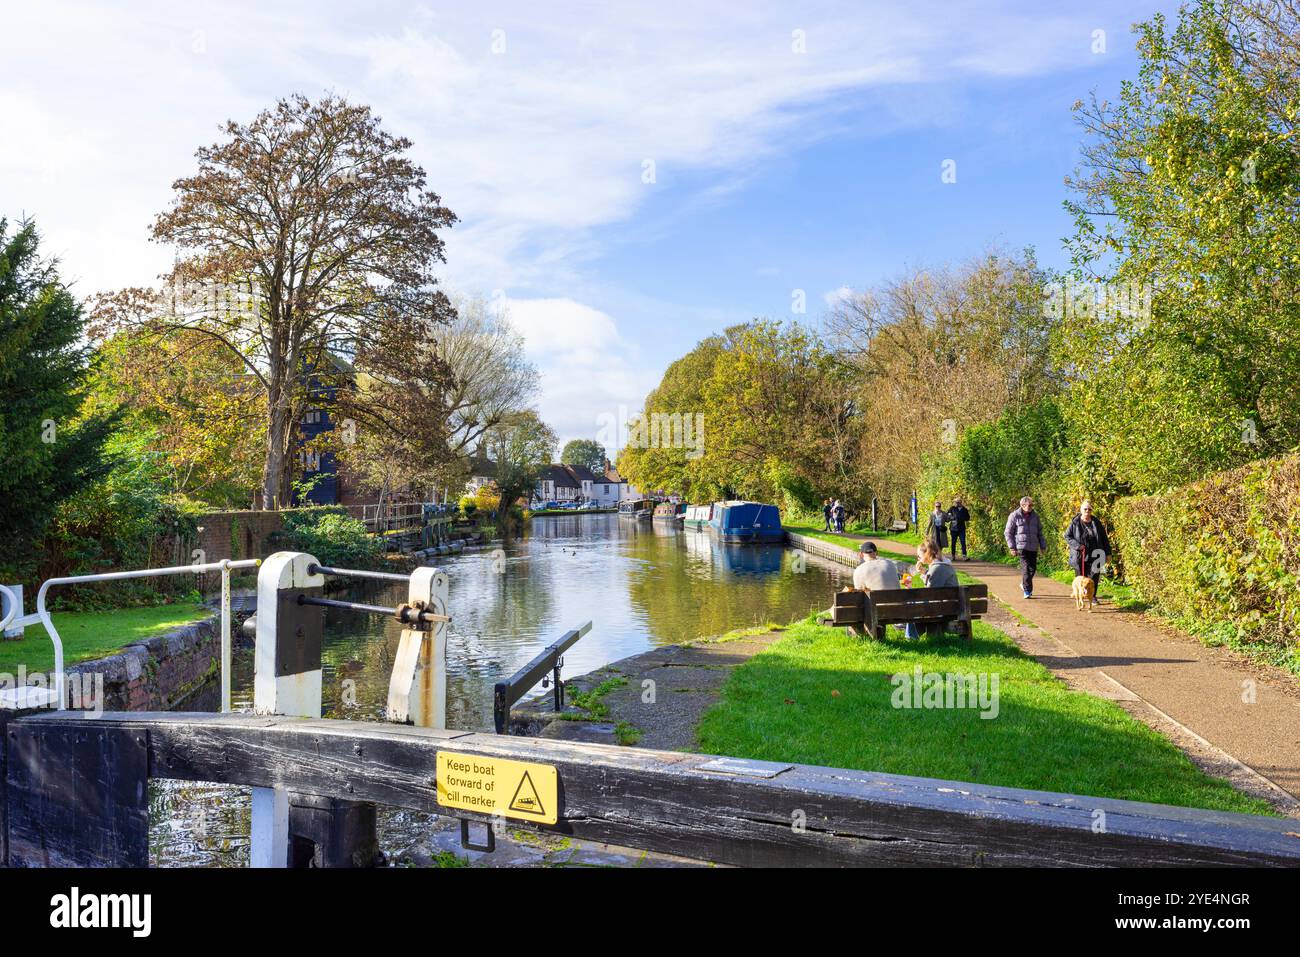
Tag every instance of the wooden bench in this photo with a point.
(898, 526)
(934, 610)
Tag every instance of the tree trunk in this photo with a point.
(275, 470)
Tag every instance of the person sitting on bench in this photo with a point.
(935, 571)
(875, 573)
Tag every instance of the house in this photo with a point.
(482, 471)
(570, 483)
(320, 471)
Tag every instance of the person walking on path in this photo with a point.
(838, 514)
(937, 530)
(1024, 535)
(958, 518)
(826, 513)
(1089, 544)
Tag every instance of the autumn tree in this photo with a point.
(752, 412)
(192, 401)
(935, 351)
(305, 231)
(521, 446)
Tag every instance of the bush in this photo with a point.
(1221, 557)
(126, 520)
(994, 464)
(331, 535)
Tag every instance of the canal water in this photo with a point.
(640, 584)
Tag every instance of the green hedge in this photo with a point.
(1221, 557)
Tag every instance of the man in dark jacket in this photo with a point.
(1024, 535)
(958, 518)
(826, 513)
(1089, 544)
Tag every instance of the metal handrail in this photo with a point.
(224, 566)
(506, 693)
(13, 607)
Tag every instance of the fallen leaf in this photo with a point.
(834, 693)
(789, 700)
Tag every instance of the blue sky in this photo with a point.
(794, 146)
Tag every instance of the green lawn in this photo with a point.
(782, 705)
(909, 537)
(93, 634)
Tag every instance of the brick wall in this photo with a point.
(237, 535)
(156, 674)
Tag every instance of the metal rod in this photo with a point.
(357, 573)
(405, 615)
(350, 605)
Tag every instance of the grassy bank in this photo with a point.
(93, 634)
(821, 696)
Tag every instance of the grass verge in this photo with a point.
(819, 695)
(93, 634)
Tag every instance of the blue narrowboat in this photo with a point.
(746, 522)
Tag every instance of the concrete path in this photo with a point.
(1225, 703)
(653, 700)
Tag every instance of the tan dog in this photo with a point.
(1083, 591)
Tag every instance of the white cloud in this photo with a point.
(834, 297)
(587, 368)
(539, 149)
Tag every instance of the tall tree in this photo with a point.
(934, 351)
(50, 449)
(584, 452)
(307, 230)
(522, 445)
(1188, 193)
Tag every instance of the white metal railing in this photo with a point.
(43, 616)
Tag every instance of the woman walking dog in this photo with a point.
(1089, 546)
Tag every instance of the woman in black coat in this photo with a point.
(1089, 544)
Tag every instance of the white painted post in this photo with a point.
(417, 690)
(286, 680)
(225, 636)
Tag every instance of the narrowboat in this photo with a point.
(746, 523)
(670, 512)
(636, 508)
(697, 516)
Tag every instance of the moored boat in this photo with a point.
(636, 508)
(697, 516)
(746, 522)
(670, 512)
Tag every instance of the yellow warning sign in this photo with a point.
(518, 789)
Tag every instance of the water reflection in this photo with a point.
(641, 584)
